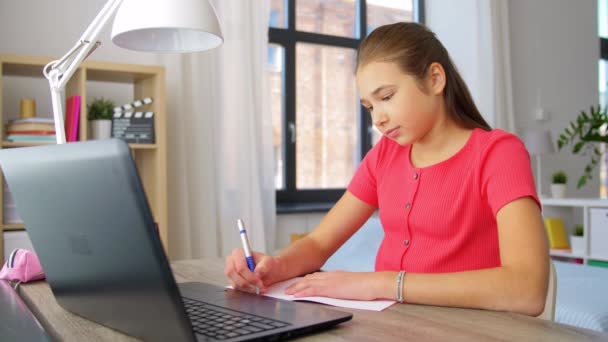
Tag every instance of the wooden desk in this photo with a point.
(399, 322)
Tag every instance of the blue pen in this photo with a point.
(246, 245)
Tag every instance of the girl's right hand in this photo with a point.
(266, 273)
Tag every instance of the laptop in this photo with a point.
(89, 221)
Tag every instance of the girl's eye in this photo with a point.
(388, 97)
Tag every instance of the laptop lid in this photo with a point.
(88, 218)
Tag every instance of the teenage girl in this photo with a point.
(461, 217)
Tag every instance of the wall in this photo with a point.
(554, 56)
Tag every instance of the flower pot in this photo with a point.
(577, 243)
(558, 190)
(101, 129)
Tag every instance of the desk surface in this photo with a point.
(399, 322)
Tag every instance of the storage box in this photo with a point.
(13, 240)
(598, 233)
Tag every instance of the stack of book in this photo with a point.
(30, 130)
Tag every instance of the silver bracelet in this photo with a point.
(399, 295)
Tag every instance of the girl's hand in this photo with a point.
(338, 284)
(267, 271)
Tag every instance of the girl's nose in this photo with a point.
(379, 118)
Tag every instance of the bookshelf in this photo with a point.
(592, 213)
(141, 80)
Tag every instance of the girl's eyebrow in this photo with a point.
(376, 91)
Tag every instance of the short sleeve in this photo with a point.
(506, 172)
(363, 184)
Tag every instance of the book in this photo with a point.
(556, 233)
(134, 127)
(40, 132)
(72, 114)
(15, 137)
(32, 120)
(30, 126)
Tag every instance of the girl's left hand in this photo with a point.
(337, 284)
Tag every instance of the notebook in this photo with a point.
(87, 215)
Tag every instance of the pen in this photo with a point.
(246, 245)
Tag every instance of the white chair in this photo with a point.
(549, 311)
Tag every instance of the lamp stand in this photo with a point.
(60, 71)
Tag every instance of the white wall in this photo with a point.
(554, 56)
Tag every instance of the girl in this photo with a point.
(461, 218)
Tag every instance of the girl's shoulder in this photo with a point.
(496, 138)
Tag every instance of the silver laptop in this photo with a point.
(87, 215)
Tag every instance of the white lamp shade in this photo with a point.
(538, 142)
(166, 26)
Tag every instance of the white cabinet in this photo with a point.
(598, 232)
(592, 213)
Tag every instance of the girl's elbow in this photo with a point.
(531, 301)
(534, 307)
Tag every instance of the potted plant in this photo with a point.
(585, 134)
(100, 118)
(558, 184)
(577, 240)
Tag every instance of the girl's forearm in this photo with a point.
(501, 288)
(301, 257)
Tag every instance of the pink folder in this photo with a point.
(72, 113)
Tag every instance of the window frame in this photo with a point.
(288, 38)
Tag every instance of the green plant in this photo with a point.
(100, 109)
(559, 177)
(584, 134)
(579, 230)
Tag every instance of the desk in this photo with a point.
(399, 322)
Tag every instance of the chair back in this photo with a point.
(549, 311)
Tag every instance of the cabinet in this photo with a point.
(593, 215)
(141, 80)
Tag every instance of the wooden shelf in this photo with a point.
(575, 202)
(13, 226)
(88, 81)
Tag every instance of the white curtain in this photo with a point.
(495, 86)
(220, 161)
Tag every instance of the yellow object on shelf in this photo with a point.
(556, 233)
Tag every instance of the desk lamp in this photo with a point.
(538, 142)
(160, 26)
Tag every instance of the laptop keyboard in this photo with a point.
(221, 323)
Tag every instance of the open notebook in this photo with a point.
(278, 291)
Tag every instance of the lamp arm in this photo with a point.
(59, 72)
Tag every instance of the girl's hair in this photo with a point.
(414, 48)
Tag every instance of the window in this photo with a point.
(320, 130)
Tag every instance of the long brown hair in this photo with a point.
(414, 48)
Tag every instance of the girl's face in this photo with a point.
(400, 108)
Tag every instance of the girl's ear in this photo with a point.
(436, 78)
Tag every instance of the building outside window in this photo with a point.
(320, 131)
